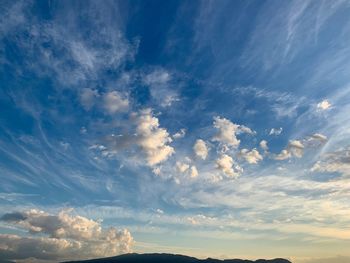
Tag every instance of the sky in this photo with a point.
(206, 128)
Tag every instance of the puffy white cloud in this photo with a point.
(152, 139)
(324, 105)
(245, 129)
(295, 148)
(226, 165)
(200, 149)
(88, 97)
(283, 155)
(114, 102)
(338, 161)
(61, 236)
(180, 134)
(182, 167)
(276, 131)
(187, 169)
(263, 145)
(252, 157)
(228, 131)
(194, 171)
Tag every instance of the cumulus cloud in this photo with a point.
(61, 236)
(276, 131)
(182, 167)
(152, 139)
(283, 155)
(114, 102)
(187, 169)
(228, 131)
(295, 148)
(194, 171)
(180, 134)
(324, 105)
(200, 149)
(334, 162)
(263, 145)
(146, 133)
(252, 157)
(225, 164)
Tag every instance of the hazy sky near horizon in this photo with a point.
(207, 128)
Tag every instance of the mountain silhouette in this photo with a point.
(171, 258)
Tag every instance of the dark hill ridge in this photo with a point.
(172, 258)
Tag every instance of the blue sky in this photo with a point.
(208, 128)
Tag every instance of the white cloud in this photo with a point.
(252, 157)
(114, 102)
(152, 139)
(324, 105)
(228, 131)
(61, 236)
(200, 149)
(157, 171)
(88, 98)
(295, 148)
(338, 161)
(319, 137)
(82, 58)
(180, 134)
(111, 102)
(159, 211)
(159, 76)
(276, 131)
(182, 167)
(245, 129)
(159, 82)
(194, 172)
(283, 155)
(187, 169)
(315, 140)
(226, 165)
(263, 145)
